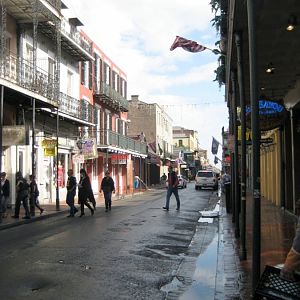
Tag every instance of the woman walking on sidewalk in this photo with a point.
(84, 190)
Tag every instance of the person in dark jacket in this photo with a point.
(108, 187)
(84, 191)
(5, 192)
(71, 192)
(34, 196)
(292, 261)
(172, 188)
(22, 189)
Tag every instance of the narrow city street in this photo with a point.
(136, 251)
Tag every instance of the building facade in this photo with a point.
(50, 122)
(186, 148)
(152, 124)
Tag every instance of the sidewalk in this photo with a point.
(278, 229)
(50, 210)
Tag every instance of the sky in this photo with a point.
(137, 34)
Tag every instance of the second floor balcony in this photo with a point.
(110, 96)
(21, 73)
(71, 40)
(79, 109)
(106, 138)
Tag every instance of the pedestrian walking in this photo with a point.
(108, 187)
(292, 261)
(226, 182)
(84, 190)
(34, 196)
(172, 188)
(71, 192)
(22, 190)
(5, 192)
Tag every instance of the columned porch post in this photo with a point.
(238, 42)
(256, 228)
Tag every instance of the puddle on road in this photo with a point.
(204, 277)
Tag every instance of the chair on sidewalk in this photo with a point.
(272, 286)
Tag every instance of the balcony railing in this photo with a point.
(74, 34)
(110, 94)
(55, 3)
(110, 138)
(22, 73)
(76, 108)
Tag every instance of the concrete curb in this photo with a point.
(34, 219)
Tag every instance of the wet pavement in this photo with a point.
(277, 231)
(211, 268)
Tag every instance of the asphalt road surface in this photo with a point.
(135, 251)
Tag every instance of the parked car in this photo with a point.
(182, 182)
(206, 179)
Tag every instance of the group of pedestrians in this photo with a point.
(26, 192)
(85, 192)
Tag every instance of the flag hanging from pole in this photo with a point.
(187, 45)
(214, 146)
(216, 160)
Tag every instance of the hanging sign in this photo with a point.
(15, 135)
(49, 147)
(78, 159)
(88, 148)
(118, 159)
(271, 114)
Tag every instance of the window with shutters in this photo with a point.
(110, 121)
(51, 65)
(114, 80)
(82, 72)
(90, 84)
(107, 74)
(100, 70)
(86, 73)
(125, 128)
(96, 71)
(125, 90)
(97, 121)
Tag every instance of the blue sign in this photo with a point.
(267, 108)
(271, 114)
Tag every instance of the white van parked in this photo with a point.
(206, 179)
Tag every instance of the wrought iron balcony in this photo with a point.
(22, 73)
(55, 3)
(71, 35)
(109, 138)
(71, 40)
(79, 109)
(26, 10)
(110, 96)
